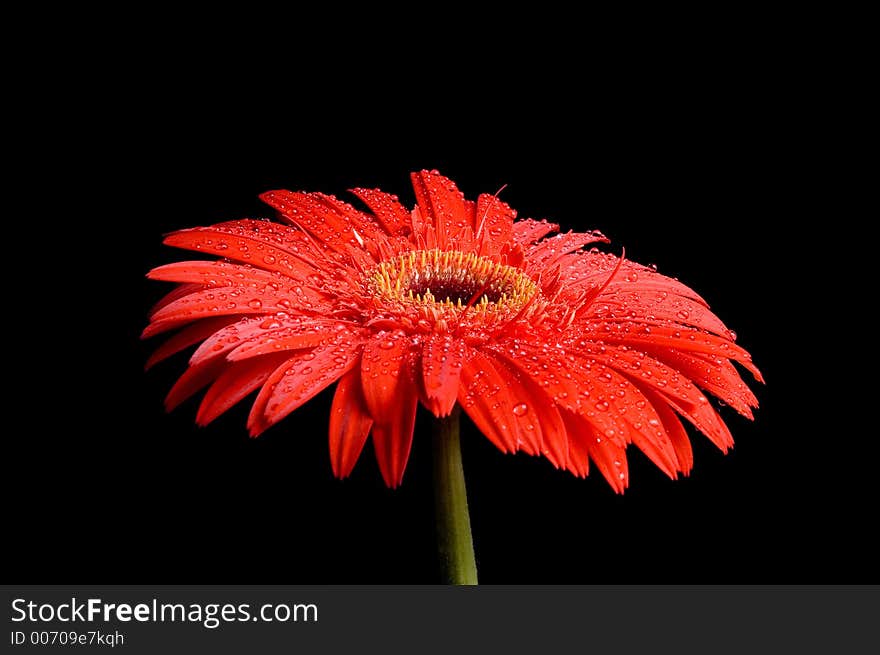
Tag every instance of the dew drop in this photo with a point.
(255, 304)
(521, 409)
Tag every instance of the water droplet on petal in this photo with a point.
(521, 409)
(255, 304)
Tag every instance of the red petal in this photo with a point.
(244, 299)
(657, 447)
(156, 328)
(387, 209)
(174, 294)
(441, 367)
(637, 302)
(677, 434)
(482, 394)
(192, 380)
(236, 279)
(585, 269)
(494, 224)
(578, 453)
(714, 374)
(582, 391)
(333, 222)
(549, 251)
(611, 403)
(299, 379)
(499, 404)
(250, 242)
(308, 335)
(256, 330)
(350, 423)
(678, 338)
(236, 382)
(541, 412)
(391, 397)
(188, 337)
(705, 419)
(442, 204)
(611, 461)
(609, 457)
(528, 231)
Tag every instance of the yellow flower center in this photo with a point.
(452, 279)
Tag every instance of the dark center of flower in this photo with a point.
(451, 278)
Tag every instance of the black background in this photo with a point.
(693, 159)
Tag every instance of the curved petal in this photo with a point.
(227, 301)
(251, 242)
(677, 434)
(187, 337)
(178, 292)
(540, 411)
(193, 379)
(585, 393)
(335, 223)
(548, 252)
(236, 382)
(387, 210)
(307, 335)
(637, 334)
(578, 461)
(510, 409)
(391, 396)
(484, 398)
(441, 204)
(494, 224)
(711, 373)
(441, 368)
(706, 420)
(258, 330)
(299, 379)
(350, 423)
(610, 458)
(528, 231)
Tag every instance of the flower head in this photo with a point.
(549, 348)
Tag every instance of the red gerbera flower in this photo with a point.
(550, 349)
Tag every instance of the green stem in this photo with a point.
(454, 539)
